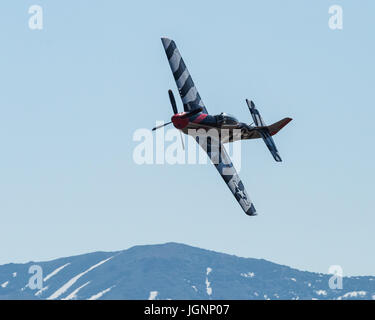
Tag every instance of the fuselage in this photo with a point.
(224, 123)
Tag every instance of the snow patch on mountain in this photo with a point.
(39, 292)
(208, 287)
(352, 294)
(100, 294)
(153, 295)
(56, 271)
(208, 284)
(72, 281)
(73, 295)
(321, 292)
(248, 275)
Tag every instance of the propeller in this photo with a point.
(175, 111)
(174, 107)
(191, 113)
(182, 141)
(161, 126)
(173, 101)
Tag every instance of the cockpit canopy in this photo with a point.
(226, 119)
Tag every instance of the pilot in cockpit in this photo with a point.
(224, 119)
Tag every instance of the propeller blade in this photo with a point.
(182, 141)
(191, 113)
(173, 101)
(161, 126)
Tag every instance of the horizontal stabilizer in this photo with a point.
(270, 145)
(266, 132)
(255, 114)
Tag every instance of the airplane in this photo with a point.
(195, 116)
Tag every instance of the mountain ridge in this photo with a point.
(173, 271)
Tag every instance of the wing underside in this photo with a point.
(222, 162)
(188, 92)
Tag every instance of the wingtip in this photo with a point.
(251, 211)
(250, 103)
(166, 41)
(277, 157)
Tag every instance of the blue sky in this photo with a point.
(74, 93)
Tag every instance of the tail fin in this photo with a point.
(277, 126)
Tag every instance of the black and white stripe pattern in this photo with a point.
(223, 164)
(215, 150)
(186, 88)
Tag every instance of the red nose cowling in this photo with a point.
(179, 122)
